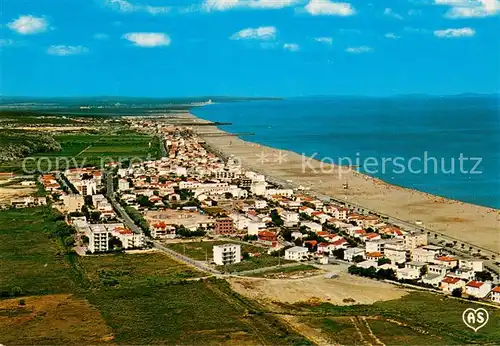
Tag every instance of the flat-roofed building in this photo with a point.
(227, 254)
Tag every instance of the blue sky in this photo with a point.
(163, 48)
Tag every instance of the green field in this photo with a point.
(286, 270)
(30, 262)
(418, 318)
(199, 250)
(89, 149)
(143, 298)
(202, 250)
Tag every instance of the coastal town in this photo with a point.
(242, 221)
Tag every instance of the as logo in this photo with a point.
(475, 319)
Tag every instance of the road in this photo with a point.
(123, 214)
(184, 259)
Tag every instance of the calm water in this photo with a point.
(371, 129)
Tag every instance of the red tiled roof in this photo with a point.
(475, 284)
(496, 289)
(450, 280)
(374, 254)
(446, 258)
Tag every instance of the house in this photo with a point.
(367, 264)
(448, 284)
(436, 250)
(432, 279)
(227, 254)
(162, 230)
(312, 227)
(495, 295)
(371, 237)
(374, 256)
(473, 264)
(352, 252)
(438, 269)
(267, 236)
(296, 253)
(408, 273)
(478, 289)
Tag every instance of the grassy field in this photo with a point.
(199, 250)
(31, 263)
(202, 250)
(89, 149)
(416, 319)
(286, 270)
(118, 298)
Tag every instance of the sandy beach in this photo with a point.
(470, 223)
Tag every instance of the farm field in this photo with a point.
(116, 298)
(31, 263)
(88, 149)
(416, 319)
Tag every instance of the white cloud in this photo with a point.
(329, 8)
(128, 7)
(325, 40)
(28, 25)
(359, 50)
(292, 47)
(224, 5)
(101, 36)
(62, 50)
(448, 33)
(390, 13)
(392, 35)
(260, 33)
(148, 39)
(470, 8)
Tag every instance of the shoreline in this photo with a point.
(466, 222)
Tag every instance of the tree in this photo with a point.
(457, 292)
(276, 218)
(484, 276)
(228, 195)
(358, 259)
(383, 260)
(287, 234)
(114, 243)
(69, 241)
(339, 253)
(423, 270)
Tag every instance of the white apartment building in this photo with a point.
(290, 218)
(395, 252)
(227, 254)
(88, 187)
(98, 238)
(123, 185)
(414, 240)
(421, 255)
(475, 265)
(296, 253)
(73, 202)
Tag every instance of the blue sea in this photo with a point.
(447, 146)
